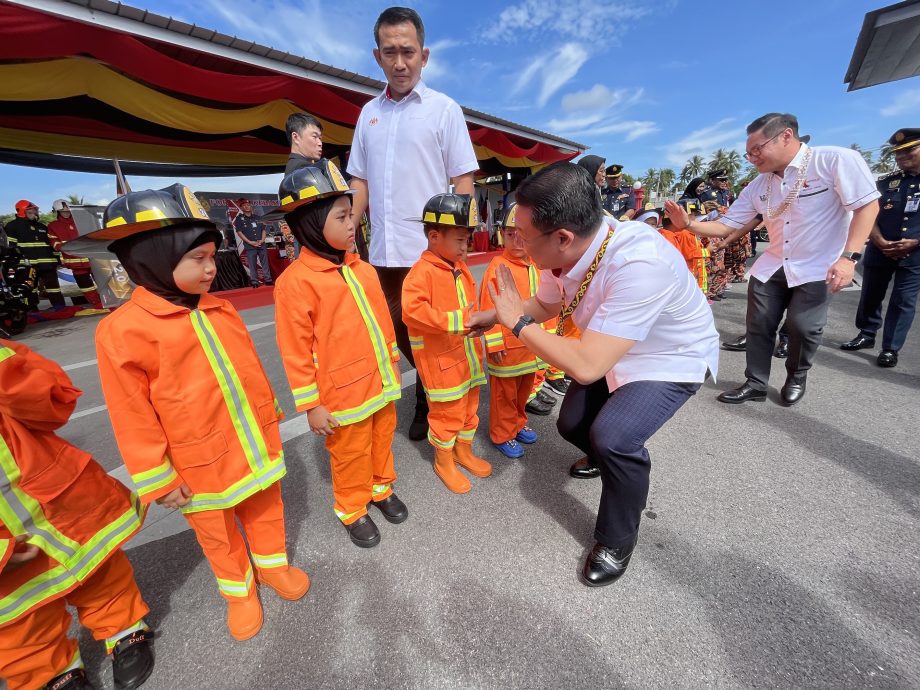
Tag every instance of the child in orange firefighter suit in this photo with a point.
(512, 367)
(193, 412)
(339, 348)
(438, 294)
(63, 522)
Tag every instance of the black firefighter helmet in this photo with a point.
(454, 210)
(305, 185)
(150, 209)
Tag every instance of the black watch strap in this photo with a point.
(525, 320)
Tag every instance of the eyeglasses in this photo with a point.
(755, 150)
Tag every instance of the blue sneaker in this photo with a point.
(526, 435)
(510, 449)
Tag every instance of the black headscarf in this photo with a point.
(591, 164)
(690, 192)
(307, 223)
(151, 257)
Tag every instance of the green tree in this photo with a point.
(650, 179)
(74, 200)
(885, 163)
(694, 167)
(867, 155)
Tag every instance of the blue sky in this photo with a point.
(645, 83)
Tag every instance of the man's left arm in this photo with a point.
(840, 274)
(457, 149)
(463, 184)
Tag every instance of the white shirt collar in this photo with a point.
(797, 159)
(419, 91)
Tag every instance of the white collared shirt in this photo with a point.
(810, 235)
(407, 151)
(642, 291)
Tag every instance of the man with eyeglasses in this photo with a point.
(819, 205)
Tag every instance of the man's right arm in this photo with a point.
(359, 199)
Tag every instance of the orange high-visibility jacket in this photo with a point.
(518, 359)
(51, 493)
(692, 250)
(336, 337)
(435, 300)
(60, 231)
(189, 401)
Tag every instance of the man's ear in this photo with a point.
(377, 57)
(565, 238)
(425, 54)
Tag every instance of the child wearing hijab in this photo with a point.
(689, 245)
(194, 415)
(338, 345)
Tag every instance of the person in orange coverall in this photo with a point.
(338, 345)
(438, 294)
(63, 522)
(511, 365)
(194, 415)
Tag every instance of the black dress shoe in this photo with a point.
(363, 532)
(70, 680)
(538, 407)
(742, 394)
(393, 509)
(887, 359)
(132, 660)
(548, 398)
(583, 469)
(605, 566)
(792, 391)
(860, 342)
(782, 349)
(560, 386)
(736, 345)
(418, 430)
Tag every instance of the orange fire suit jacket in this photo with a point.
(435, 300)
(336, 337)
(189, 401)
(60, 231)
(518, 359)
(52, 494)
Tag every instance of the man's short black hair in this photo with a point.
(562, 195)
(774, 123)
(298, 122)
(392, 16)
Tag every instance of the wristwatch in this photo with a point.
(852, 256)
(525, 320)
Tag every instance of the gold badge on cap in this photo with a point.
(899, 136)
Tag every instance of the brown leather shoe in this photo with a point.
(244, 617)
(290, 584)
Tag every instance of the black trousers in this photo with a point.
(391, 280)
(806, 315)
(878, 270)
(48, 278)
(612, 430)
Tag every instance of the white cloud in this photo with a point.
(573, 18)
(600, 98)
(596, 125)
(905, 102)
(704, 141)
(551, 72)
(435, 69)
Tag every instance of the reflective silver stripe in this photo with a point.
(258, 482)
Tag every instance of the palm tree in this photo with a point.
(885, 163)
(732, 163)
(867, 155)
(717, 160)
(74, 200)
(694, 167)
(666, 178)
(650, 179)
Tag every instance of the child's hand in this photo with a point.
(321, 421)
(176, 498)
(20, 556)
(497, 357)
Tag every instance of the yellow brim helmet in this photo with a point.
(307, 185)
(453, 210)
(510, 219)
(150, 209)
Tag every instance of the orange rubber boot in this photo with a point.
(290, 584)
(446, 469)
(244, 617)
(463, 454)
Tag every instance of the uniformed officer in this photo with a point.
(717, 188)
(251, 233)
(619, 199)
(892, 252)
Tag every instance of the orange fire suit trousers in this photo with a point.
(361, 457)
(35, 648)
(262, 518)
(457, 420)
(507, 398)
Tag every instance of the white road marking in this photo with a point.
(88, 411)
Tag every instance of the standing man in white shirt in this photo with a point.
(647, 340)
(410, 143)
(819, 205)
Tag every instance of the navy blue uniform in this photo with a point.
(618, 200)
(898, 219)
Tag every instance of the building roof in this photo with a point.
(888, 46)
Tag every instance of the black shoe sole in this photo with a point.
(394, 519)
(584, 476)
(790, 404)
(589, 583)
(756, 398)
(365, 544)
(539, 413)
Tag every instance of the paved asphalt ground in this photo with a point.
(779, 549)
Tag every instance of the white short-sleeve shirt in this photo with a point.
(811, 234)
(407, 151)
(642, 291)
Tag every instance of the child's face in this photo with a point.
(449, 243)
(339, 229)
(651, 221)
(514, 243)
(196, 269)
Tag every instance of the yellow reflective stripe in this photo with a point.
(248, 431)
(533, 278)
(380, 489)
(468, 345)
(455, 322)
(378, 342)
(239, 491)
(448, 394)
(235, 588)
(110, 642)
(305, 395)
(515, 370)
(352, 415)
(495, 339)
(446, 445)
(6, 353)
(345, 516)
(466, 434)
(554, 374)
(155, 479)
(416, 342)
(272, 560)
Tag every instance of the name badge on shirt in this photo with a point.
(912, 204)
